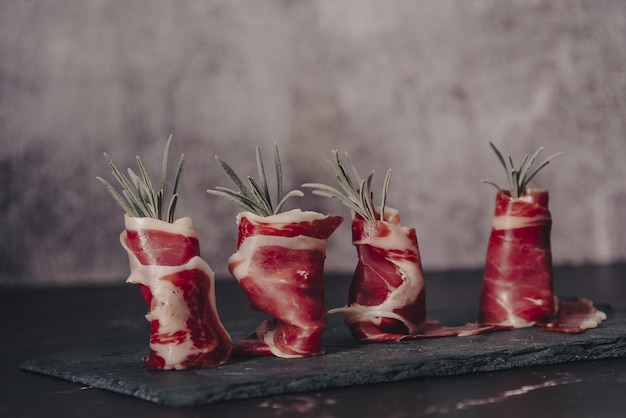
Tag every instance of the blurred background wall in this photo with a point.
(419, 87)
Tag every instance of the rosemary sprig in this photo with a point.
(357, 194)
(518, 178)
(256, 198)
(138, 197)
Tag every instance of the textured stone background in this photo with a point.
(416, 86)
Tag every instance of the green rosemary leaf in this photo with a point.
(134, 179)
(519, 178)
(172, 208)
(138, 197)
(356, 196)
(351, 192)
(515, 192)
(525, 169)
(233, 176)
(141, 194)
(121, 201)
(348, 185)
(132, 196)
(354, 169)
(119, 176)
(264, 190)
(319, 190)
(279, 175)
(540, 166)
(257, 198)
(369, 195)
(266, 207)
(344, 178)
(220, 191)
(511, 163)
(159, 204)
(144, 174)
(325, 188)
(491, 182)
(137, 183)
(146, 180)
(523, 163)
(145, 200)
(500, 157)
(513, 184)
(535, 156)
(280, 204)
(165, 164)
(365, 196)
(383, 200)
(179, 174)
(137, 208)
(363, 201)
(236, 198)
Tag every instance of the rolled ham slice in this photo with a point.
(279, 264)
(386, 300)
(517, 286)
(387, 296)
(178, 287)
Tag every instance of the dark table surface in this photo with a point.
(41, 321)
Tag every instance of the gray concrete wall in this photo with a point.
(419, 87)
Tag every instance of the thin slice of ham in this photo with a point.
(178, 287)
(573, 317)
(279, 264)
(387, 296)
(517, 286)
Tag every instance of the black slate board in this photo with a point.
(346, 363)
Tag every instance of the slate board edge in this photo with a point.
(498, 360)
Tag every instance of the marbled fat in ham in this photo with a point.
(573, 317)
(517, 287)
(279, 264)
(386, 300)
(387, 296)
(178, 287)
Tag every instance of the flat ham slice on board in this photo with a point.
(517, 287)
(178, 287)
(387, 296)
(279, 264)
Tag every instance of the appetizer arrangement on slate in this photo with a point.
(517, 286)
(176, 283)
(387, 296)
(279, 264)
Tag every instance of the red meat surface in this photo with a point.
(178, 287)
(387, 296)
(279, 264)
(517, 286)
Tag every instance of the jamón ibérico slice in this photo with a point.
(517, 286)
(573, 317)
(178, 287)
(387, 296)
(279, 264)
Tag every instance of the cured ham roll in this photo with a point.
(279, 264)
(387, 297)
(517, 287)
(178, 287)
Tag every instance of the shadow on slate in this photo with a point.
(346, 363)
